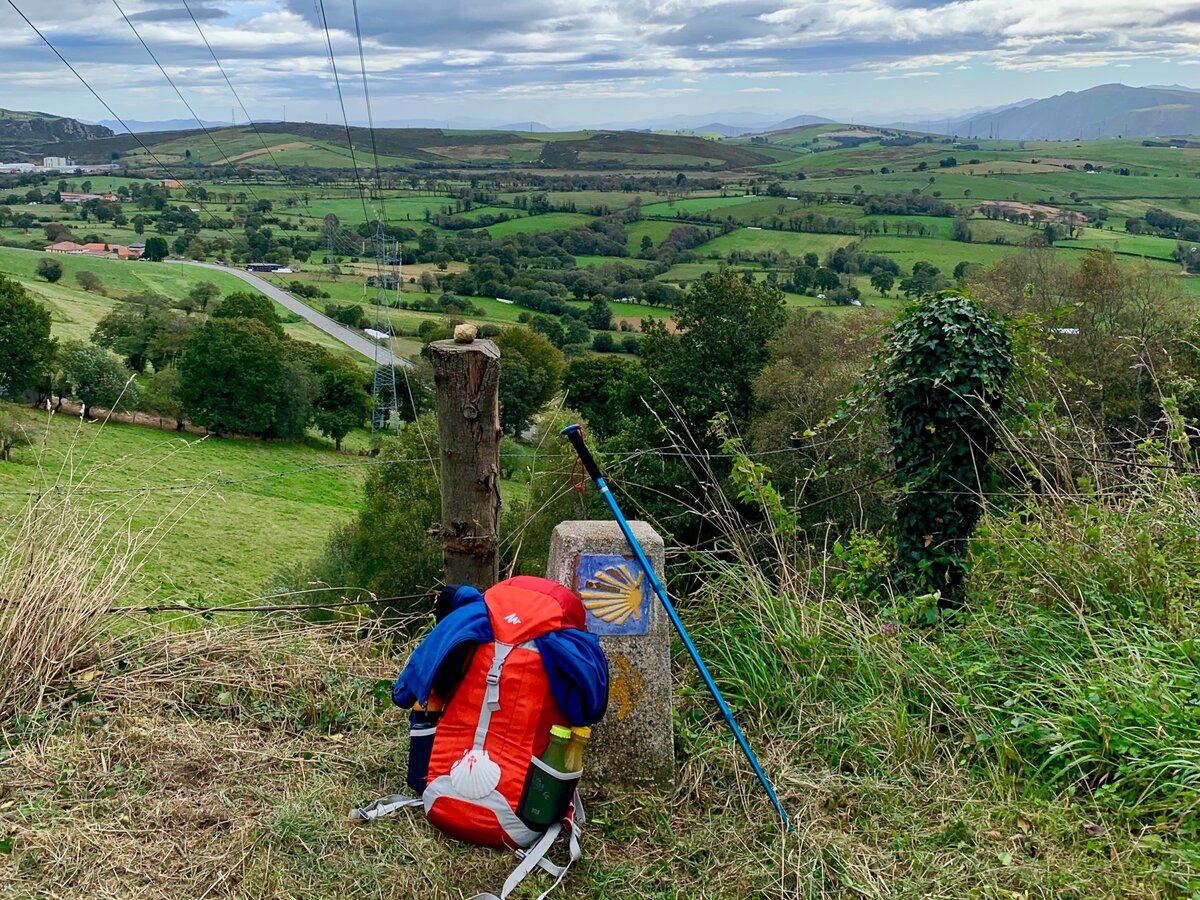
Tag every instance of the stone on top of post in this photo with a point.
(633, 746)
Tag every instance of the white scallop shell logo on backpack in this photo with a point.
(475, 775)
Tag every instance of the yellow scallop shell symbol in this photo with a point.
(613, 594)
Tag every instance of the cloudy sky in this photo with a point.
(569, 62)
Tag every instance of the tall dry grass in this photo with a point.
(69, 556)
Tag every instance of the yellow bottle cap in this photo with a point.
(582, 732)
(560, 731)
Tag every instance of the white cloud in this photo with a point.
(908, 75)
(615, 49)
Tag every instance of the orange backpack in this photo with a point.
(496, 718)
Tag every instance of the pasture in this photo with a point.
(252, 507)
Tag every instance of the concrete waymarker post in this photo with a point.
(633, 746)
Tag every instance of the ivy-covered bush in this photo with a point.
(942, 375)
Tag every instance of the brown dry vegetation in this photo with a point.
(222, 763)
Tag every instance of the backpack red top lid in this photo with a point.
(525, 607)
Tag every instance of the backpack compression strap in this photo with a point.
(384, 806)
(535, 857)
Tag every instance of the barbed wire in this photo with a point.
(287, 607)
(374, 461)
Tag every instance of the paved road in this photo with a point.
(352, 339)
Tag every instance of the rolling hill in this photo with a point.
(21, 132)
(311, 144)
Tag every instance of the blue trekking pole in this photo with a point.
(574, 434)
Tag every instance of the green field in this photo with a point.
(554, 221)
(75, 312)
(262, 505)
(751, 240)
(656, 229)
(1131, 244)
(693, 204)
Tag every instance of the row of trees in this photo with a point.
(232, 371)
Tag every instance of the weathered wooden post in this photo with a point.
(633, 746)
(466, 375)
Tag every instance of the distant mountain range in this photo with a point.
(1105, 111)
(1108, 110)
(139, 126)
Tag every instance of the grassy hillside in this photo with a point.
(75, 312)
(253, 506)
(309, 144)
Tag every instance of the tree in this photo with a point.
(24, 221)
(231, 376)
(128, 331)
(342, 403)
(204, 293)
(723, 326)
(97, 378)
(428, 282)
(603, 342)
(57, 231)
(926, 280)
(13, 434)
(883, 282)
(243, 305)
(299, 387)
(826, 279)
(605, 389)
(576, 332)
(530, 372)
(50, 269)
(551, 328)
(599, 315)
(90, 282)
(961, 230)
(156, 249)
(26, 347)
(161, 397)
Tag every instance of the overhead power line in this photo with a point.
(362, 62)
(342, 103)
(250, 119)
(107, 107)
(182, 99)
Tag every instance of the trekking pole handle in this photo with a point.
(574, 433)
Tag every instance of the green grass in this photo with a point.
(584, 199)
(553, 221)
(268, 504)
(1011, 753)
(657, 230)
(943, 254)
(586, 261)
(129, 277)
(797, 243)
(75, 312)
(694, 204)
(1134, 245)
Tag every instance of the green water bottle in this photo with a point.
(548, 794)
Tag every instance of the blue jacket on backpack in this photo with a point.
(574, 663)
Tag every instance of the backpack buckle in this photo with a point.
(492, 694)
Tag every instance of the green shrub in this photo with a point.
(942, 378)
